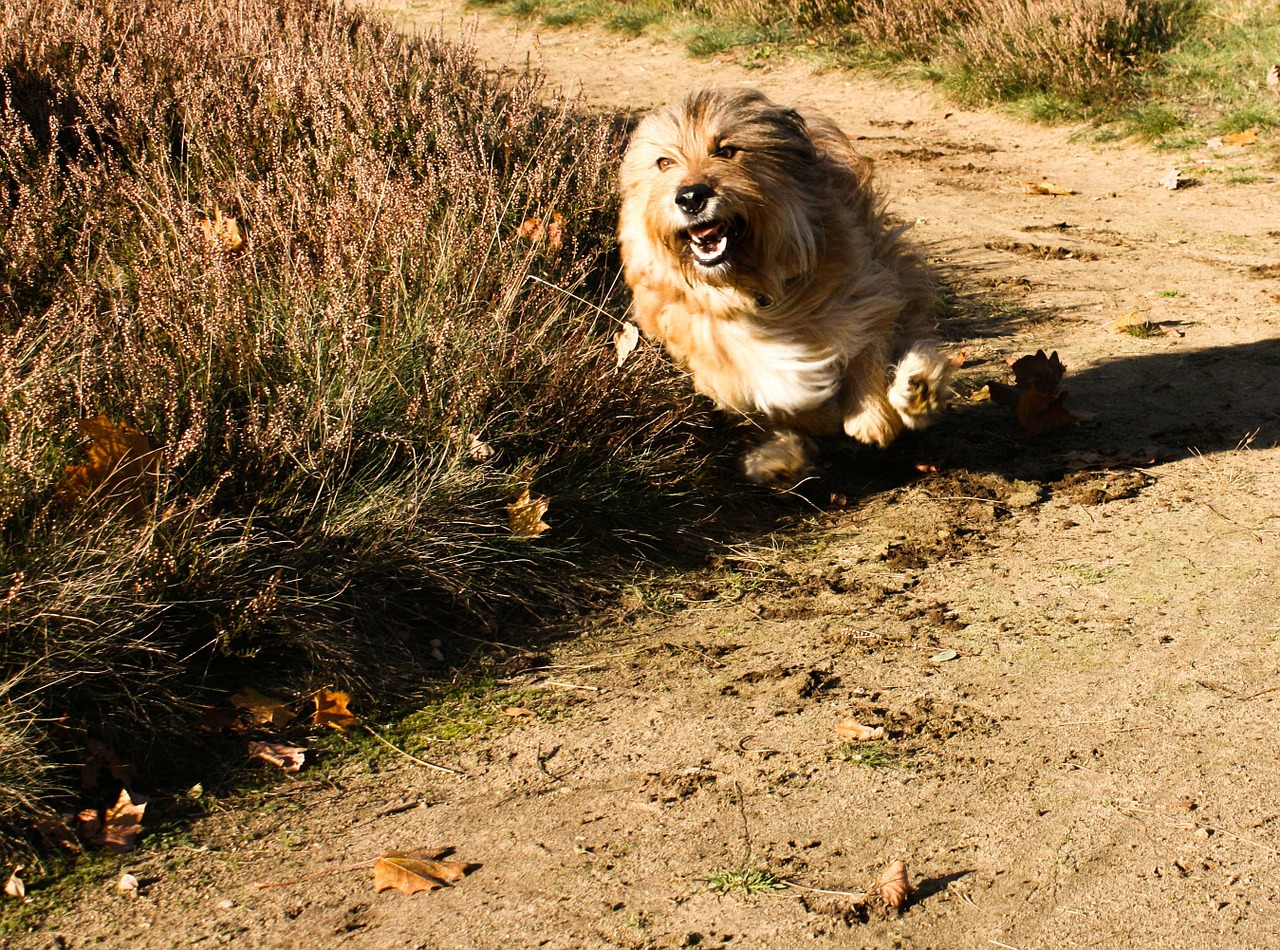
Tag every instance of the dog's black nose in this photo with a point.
(693, 198)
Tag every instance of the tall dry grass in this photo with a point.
(318, 392)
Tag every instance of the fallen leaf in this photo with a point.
(1174, 179)
(120, 825)
(331, 710)
(895, 889)
(128, 884)
(533, 230)
(263, 709)
(1042, 186)
(519, 712)
(981, 395)
(1247, 137)
(58, 831)
(413, 871)
(1134, 323)
(1043, 372)
(625, 341)
(1273, 77)
(1043, 412)
(944, 656)
(289, 757)
(479, 450)
(222, 231)
(15, 887)
(525, 516)
(1183, 805)
(956, 359)
(119, 465)
(852, 729)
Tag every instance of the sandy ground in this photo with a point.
(1096, 766)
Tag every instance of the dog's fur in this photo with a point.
(776, 281)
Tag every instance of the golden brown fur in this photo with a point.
(758, 254)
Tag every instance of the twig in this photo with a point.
(860, 898)
(1261, 692)
(413, 758)
(568, 293)
(594, 689)
(999, 944)
(319, 874)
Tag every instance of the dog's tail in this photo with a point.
(921, 383)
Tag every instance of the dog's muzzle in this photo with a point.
(707, 234)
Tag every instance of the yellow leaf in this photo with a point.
(852, 729)
(1042, 186)
(525, 516)
(413, 871)
(119, 465)
(1247, 137)
(265, 710)
(222, 231)
(331, 710)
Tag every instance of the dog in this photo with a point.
(759, 254)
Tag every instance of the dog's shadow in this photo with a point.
(1142, 409)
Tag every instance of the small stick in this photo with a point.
(999, 944)
(861, 898)
(1261, 692)
(594, 689)
(413, 758)
(319, 874)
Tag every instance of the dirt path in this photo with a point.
(1096, 766)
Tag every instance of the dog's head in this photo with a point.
(727, 186)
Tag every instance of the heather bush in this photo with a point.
(284, 244)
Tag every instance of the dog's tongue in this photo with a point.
(707, 232)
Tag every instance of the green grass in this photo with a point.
(747, 880)
(872, 755)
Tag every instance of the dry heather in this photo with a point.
(345, 386)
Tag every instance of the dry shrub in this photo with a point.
(314, 377)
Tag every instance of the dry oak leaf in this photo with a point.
(519, 712)
(263, 709)
(1042, 186)
(291, 758)
(625, 341)
(1039, 412)
(895, 889)
(852, 729)
(525, 516)
(15, 887)
(534, 230)
(331, 710)
(1247, 137)
(222, 231)
(119, 464)
(101, 754)
(413, 871)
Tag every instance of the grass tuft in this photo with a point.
(343, 400)
(747, 880)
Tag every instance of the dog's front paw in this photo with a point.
(920, 389)
(783, 460)
(876, 423)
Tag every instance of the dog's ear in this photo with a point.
(797, 120)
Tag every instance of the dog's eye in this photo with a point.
(726, 151)
(664, 163)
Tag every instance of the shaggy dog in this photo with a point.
(759, 255)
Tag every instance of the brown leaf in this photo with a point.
(1044, 372)
(331, 710)
(1042, 186)
(1040, 412)
(289, 757)
(222, 231)
(119, 465)
(852, 729)
(120, 824)
(264, 710)
(100, 754)
(956, 359)
(519, 712)
(1247, 137)
(534, 230)
(15, 887)
(413, 871)
(58, 831)
(525, 516)
(625, 341)
(895, 889)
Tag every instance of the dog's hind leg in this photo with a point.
(784, 459)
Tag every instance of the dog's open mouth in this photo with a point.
(709, 243)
